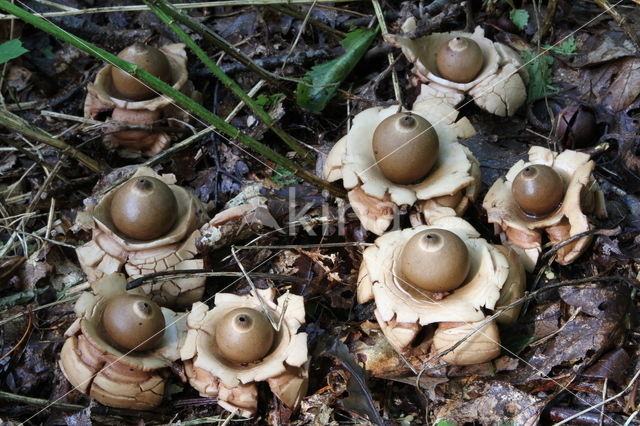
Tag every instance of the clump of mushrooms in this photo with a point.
(451, 65)
(392, 157)
(120, 348)
(442, 274)
(148, 224)
(131, 103)
(551, 193)
(234, 345)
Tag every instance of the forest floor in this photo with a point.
(573, 354)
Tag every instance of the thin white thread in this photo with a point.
(269, 258)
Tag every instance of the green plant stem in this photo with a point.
(21, 126)
(178, 97)
(217, 3)
(212, 37)
(37, 401)
(158, 7)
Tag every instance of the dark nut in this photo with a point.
(576, 127)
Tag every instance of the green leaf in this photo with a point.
(267, 101)
(283, 176)
(11, 49)
(540, 74)
(323, 80)
(567, 47)
(519, 17)
(443, 422)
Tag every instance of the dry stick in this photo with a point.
(21, 126)
(181, 273)
(606, 232)
(383, 31)
(31, 206)
(38, 401)
(263, 304)
(547, 21)
(620, 20)
(158, 7)
(606, 401)
(287, 10)
(178, 97)
(141, 7)
(212, 37)
(297, 39)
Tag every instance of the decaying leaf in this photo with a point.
(359, 400)
(491, 402)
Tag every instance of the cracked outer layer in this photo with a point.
(92, 365)
(499, 88)
(110, 251)
(375, 199)
(402, 309)
(582, 198)
(102, 97)
(285, 368)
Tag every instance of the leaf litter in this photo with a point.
(568, 342)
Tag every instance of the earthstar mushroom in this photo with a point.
(234, 345)
(581, 200)
(468, 276)
(131, 103)
(448, 66)
(148, 224)
(390, 158)
(131, 374)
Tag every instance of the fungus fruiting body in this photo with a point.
(451, 65)
(464, 276)
(144, 208)
(390, 158)
(150, 59)
(459, 60)
(405, 147)
(131, 103)
(538, 190)
(244, 335)
(435, 260)
(109, 356)
(552, 194)
(234, 345)
(133, 322)
(148, 224)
